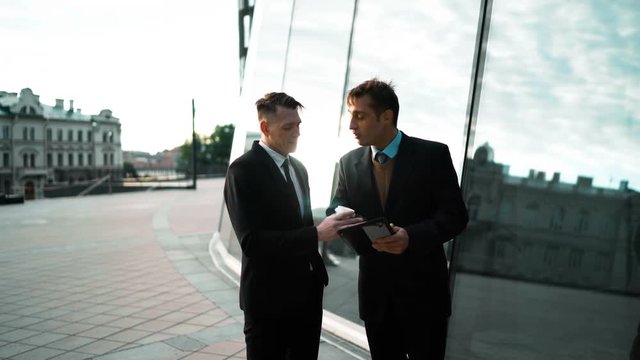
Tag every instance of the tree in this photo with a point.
(129, 170)
(212, 153)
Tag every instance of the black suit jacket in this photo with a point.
(279, 245)
(425, 199)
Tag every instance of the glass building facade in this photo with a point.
(539, 103)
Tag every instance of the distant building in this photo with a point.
(540, 229)
(162, 163)
(42, 145)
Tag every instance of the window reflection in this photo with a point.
(547, 268)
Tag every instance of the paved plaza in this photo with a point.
(123, 276)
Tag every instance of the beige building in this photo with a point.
(44, 146)
(544, 230)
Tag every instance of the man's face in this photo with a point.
(367, 127)
(281, 132)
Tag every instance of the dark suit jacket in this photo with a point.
(278, 243)
(425, 199)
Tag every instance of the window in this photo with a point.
(25, 133)
(25, 160)
(473, 205)
(111, 159)
(89, 136)
(90, 159)
(104, 160)
(575, 258)
(5, 132)
(32, 133)
(70, 135)
(104, 137)
(32, 157)
(60, 158)
(557, 218)
(49, 135)
(49, 160)
(80, 160)
(5, 160)
(583, 222)
(70, 158)
(59, 135)
(80, 135)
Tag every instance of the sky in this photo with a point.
(561, 86)
(144, 60)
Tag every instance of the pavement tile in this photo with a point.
(204, 356)
(100, 308)
(156, 337)
(183, 329)
(185, 343)
(74, 315)
(71, 342)
(73, 328)
(129, 335)
(72, 355)
(124, 310)
(207, 319)
(126, 322)
(7, 317)
(12, 349)
(155, 325)
(177, 316)
(100, 347)
(99, 319)
(227, 348)
(29, 310)
(100, 332)
(42, 339)
(156, 351)
(41, 353)
(9, 308)
(52, 313)
(22, 322)
(17, 334)
(48, 325)
(150, 313)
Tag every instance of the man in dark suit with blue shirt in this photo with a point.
(283, 275)
(403, 287)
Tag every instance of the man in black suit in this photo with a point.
(283, 276)
(403, 287)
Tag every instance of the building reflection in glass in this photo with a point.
(540, 229)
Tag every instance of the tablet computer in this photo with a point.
(359, 236)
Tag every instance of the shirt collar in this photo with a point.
(275, 156)
(390, 150)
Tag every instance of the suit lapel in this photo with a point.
(401, 172)
(278, 181)
(304, 186)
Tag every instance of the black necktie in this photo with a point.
(381, 157)
(292, 188)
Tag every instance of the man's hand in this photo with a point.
(393, 244)
(328, 228)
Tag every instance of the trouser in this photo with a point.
(287, 337)
(414, 338)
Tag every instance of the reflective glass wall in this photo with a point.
(548, 267)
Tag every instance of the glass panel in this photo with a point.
(548, 267)
(264, 67)
(426, 49)
(316, 64)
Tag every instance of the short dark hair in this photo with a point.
(382, 95)
(267, 105)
